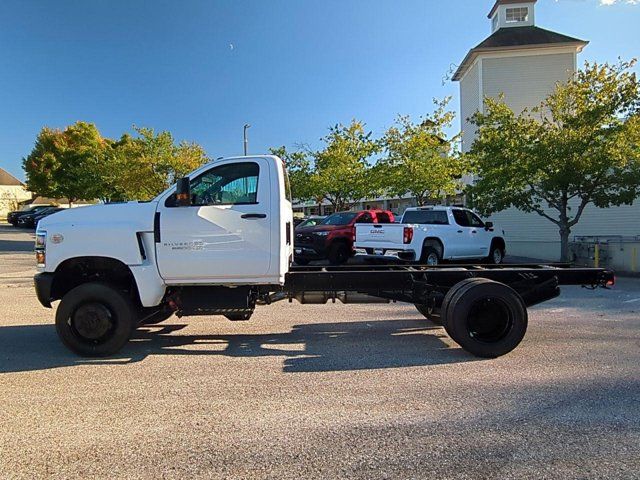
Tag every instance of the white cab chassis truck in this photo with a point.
(220, 242)
(429, 235)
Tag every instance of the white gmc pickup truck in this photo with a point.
(220, 242)
(431, 234)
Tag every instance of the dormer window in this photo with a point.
(517, 14)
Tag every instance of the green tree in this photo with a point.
(342, 170)
(299, 167)
(67, 163)
(141, 166)
(420, 158)
(581, 146)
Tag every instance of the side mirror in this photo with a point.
(183, 192)
(488, 225)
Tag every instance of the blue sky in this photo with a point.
(202, 69)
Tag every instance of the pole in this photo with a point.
(246, 140)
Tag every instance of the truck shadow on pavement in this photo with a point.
(320, 347)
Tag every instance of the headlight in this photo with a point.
(41, 239)
(41, 245)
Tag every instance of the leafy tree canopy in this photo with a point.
(78, 163)
(420, 158)
(67, 163)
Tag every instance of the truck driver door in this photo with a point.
(225, 232)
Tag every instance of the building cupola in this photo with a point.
(512, 13)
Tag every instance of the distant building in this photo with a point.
(524, 62)
(12, 193)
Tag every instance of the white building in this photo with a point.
(524, 62)
(12, 193)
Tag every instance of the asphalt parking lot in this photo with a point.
(333, 391)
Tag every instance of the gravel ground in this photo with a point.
(321, 392)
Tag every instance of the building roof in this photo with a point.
(506, 2)
(517, 38)
(7, 179)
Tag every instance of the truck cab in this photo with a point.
(236, 228)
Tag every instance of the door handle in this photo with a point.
(253, 215)
(474, 231)
(460, 231)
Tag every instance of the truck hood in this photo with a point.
(137, 216)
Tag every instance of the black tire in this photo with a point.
(338, 254)
(430, 256)
(238, 317)
(152, 316)
(488, 319)
(496, 254)
(428, 313)
(95, 319)
(450, 294)
(301, 261)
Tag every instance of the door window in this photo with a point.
(461, 218)
(232, 184)
(474, 220)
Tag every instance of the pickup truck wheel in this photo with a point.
(95, 319)
(338, 254)
(496, 255)
(428, 313)
(488, 319)
(430, 256)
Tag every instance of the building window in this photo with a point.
(518, 14)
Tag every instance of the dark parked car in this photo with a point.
(30, 220)
(332, 238)
(13, 217)
(310, 221)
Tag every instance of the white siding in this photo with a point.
(469, 104)
(525, 80)
(531, 235)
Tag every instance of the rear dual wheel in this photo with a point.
(486, 318)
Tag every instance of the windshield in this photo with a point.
(426, 217)
(310, 222)
(343, 218)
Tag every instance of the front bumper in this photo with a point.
(44, 283)
(307, 253)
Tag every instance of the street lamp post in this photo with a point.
(246, 140)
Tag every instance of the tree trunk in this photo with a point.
(565, 255)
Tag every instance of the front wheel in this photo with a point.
(338, 254)
(95, 319)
